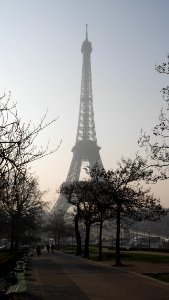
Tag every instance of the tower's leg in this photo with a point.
(91, 157)
(75, 168)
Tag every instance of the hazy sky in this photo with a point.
(41, 63)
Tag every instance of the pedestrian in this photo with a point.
(52, 247)
(48, 247)
(38, 250)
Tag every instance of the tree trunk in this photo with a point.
(100, 238)
(58, 242)
(16, 239)
(12, 235)
(55, 240)
(17, 232)
(86, 248)
(118, 258)
(78, 237)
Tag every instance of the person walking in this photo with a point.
(52, 247)
(48, 247)
(38, 250)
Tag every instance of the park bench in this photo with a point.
(10, 287)
(3, 286)
(19, 287)
(20, 266)
(13, 284)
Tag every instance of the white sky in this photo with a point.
(41, 63)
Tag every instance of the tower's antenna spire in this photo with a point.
(86, 32)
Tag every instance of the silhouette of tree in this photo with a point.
(157, 144)
(87, 209)
(101, 198)
(59, 225)
(21, 200)
(17, 139)
(82, 195)
(126, 197)
(69, 191)
(17, 149)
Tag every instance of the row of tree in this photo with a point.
(119, 194)
(21, 203)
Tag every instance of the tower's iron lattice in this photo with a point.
(86, 148)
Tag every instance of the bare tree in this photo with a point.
(17, 139)
(69, 191)
(59, 225)
(21, 199)
(101, 198)
(129, 198)
(86, 209)
(92, 205)
(122, 196)
(157, 144)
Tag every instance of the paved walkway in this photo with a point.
(57, 276)
(46, 279)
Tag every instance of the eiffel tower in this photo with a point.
(86, 148)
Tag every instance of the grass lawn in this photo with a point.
(146, 257)
(130, 256)
(133, 256)
(160, 276)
